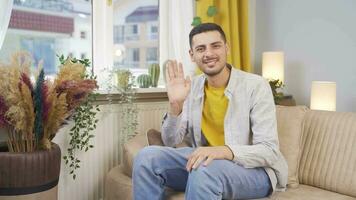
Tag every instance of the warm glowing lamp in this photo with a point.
(273, 65)
(323, 96)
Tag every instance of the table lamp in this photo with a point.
(273, 65)
(273, 71)
(323, 96)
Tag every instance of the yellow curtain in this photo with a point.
(232, 16)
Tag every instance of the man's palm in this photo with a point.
(177, 86)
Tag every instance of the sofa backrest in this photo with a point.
(328, 157)
(289, 122)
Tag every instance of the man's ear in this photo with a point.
(191, 55)
(227, 46)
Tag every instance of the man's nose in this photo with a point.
(209, 52)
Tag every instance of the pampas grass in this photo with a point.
(34, 114)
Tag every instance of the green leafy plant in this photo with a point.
(211, 12)
(124, 77)
(196, 21)
(276, 85)
(85, 122)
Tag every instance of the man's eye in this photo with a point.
(200, 49)
(217, 46)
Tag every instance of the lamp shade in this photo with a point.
(323, 96)
(273, 65)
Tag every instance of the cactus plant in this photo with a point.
(144, 81)
(154, 71)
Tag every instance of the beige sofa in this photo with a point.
(319, 146)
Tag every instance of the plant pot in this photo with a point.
(31, 175)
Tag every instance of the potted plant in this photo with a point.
(127, 95)
(32, 112)
(276, 86)
(154, 71)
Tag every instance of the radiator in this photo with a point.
(89, 183)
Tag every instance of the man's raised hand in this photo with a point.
(178, 87)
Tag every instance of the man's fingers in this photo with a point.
(167, 71)
(191, 160)
(189, 164)
(188, 81)
(198, 161)
(175, 69)
(208, 161)
(170, 70)
(180, 71)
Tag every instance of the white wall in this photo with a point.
(319, 41)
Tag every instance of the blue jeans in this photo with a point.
(157, 167)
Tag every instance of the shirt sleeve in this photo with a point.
(174, 128)
(264, 151)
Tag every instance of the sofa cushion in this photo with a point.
(289, 122)
(154, 137)
(117, 184)
(305, 192)
(328, 159)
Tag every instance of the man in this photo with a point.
(228, 116)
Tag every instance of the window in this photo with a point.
(48, 29)
(154, 29)
(118, 34)
(83, 55)
(83, 35)
(134, 29)
(152, 55)
(131, 60)
(41, 50)
(135, 33)
(136, 54)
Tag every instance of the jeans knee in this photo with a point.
(201, 179)
(146, 156)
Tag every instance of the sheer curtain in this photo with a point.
(175, 21)
(5, 14)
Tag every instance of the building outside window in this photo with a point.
(83, 56)
(135, 34)
(83, 35)
(152, 55)
(48, 28)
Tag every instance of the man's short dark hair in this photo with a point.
(205, 27)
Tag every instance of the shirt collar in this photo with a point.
(229, 88)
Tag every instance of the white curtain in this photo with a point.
(5, 14)
(175, 18)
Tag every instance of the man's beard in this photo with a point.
(213, 73)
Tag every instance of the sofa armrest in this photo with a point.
(130, 149)
(135, 144)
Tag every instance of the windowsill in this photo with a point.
(142, 95)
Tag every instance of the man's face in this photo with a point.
(209, 52)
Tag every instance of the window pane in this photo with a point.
(47, 29)
(135, 34)
(152, 55)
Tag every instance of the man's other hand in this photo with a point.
(208, 154)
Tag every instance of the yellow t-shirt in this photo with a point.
(215, 105)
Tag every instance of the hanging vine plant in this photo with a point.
(85, 122)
